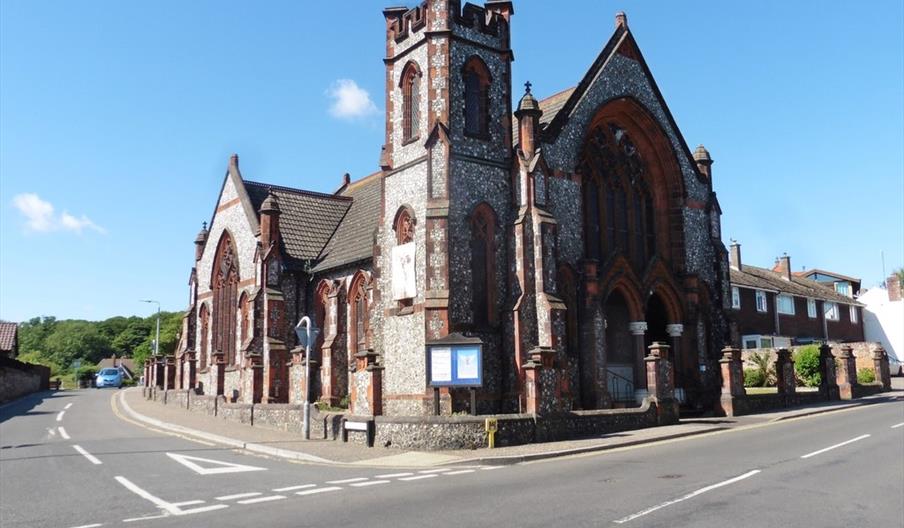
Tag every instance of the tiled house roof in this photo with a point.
(7, 336)
(307, 220)
(353, 240)
(549, 106)
(764, 279)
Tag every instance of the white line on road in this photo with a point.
(688, 496)
(87, 455)
(852, 440)
(370, 483)
(435, 470)
(95, 525)
(346, 481)
(898, 425)
(293, 488)
(262, 499)
(63, 433)
(188, 503)
(68, 405)
(461, 472)
(239, 496)
(395, 475)
(167, 507)
(419, 477)
(318, 490)
(490, 468)
(60, 416)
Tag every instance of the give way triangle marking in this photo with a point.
(219, 466)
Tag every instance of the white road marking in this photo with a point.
(395, 475)
(688, 496)
(87, 455)
(51, 431)
(262, 499)
(435, 470)
(222, 467)
(370, 483)
(95, 525)
(898, 425)
(68, 405)
(318, 490)
(60, 416)
(490, 468)
(293, 488)
(461, 472)
(166, 508)
(239, 496)
(419, 477)
(346, 481)
(188, 503)
(823, 450)
(63, 433)
(146, 518)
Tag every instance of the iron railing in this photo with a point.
(621, 389)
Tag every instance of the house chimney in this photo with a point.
(734, 255)
(893, 287)
(783, 266)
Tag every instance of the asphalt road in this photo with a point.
(840, 469)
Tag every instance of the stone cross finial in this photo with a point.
(527, 86)
(204, 226)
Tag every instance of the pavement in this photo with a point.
(286, 445)
(67, 460)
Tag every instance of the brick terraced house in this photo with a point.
(774, 308)
(567, 235)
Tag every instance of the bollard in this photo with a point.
(491, 426)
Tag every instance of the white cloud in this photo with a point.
(350, 101)
(39, 216)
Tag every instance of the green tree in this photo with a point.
(806, 365)
(33, 333)
(131, 336)
(170, 330)
(75, 339)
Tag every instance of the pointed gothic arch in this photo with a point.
(476, 79)
(410, 84)
(483, 264)
(359, 313)
(224, 283)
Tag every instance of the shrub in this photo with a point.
(87, 373)
(806, 365)
(866, 375)
(754, 377)
(762, 364)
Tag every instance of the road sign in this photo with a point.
(213, 467)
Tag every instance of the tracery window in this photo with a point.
(411, 100)
(476, 77)
(483, 230)
(225, 298)
(244, 318)
(357, 298)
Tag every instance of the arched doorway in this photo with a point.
(621, 368)
(657, 318)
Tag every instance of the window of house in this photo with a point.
(411, 100)
(477, 88)
(853, 313)
(735, 297)
(831, 311)
(483, 229)
(750, 343)
(785, 304)
(761, 303)
(811, 308)
(766, 342)
(843, 288)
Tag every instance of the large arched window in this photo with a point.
(622, 220)
(411, 101)
(483, 273)
(204, 324)
(476, 77)
(357, 298)
(224, 281)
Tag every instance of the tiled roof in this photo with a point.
(353, 240)
(549, 106)
(307, 219)
(7, 335)
(813, 271)
(764, 279)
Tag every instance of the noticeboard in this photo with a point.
(451, 364)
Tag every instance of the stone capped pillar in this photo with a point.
(660, 383)
(733, 392)
(169, 372)
(253, 382)
(191, 378)
(847, 373)
(880, 365)
(540, 381)
(784, 373)
(147, 372)
(828, 386)
(159, 366)
(218, 372)
(298, 382)
(367, 386)
(638, 329)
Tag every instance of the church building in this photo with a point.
(567, 234)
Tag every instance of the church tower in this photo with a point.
(441, 252)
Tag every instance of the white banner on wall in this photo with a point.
(403, 272)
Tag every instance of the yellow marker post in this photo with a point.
(491, 426)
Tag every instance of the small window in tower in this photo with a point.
(476, 78)
(411, 99)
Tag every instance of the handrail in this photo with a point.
(624, 387)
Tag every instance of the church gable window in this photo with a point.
(483, 229)
(357, 298)
(411, 100)
(476, 77)
(224, 283)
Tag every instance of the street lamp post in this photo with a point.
(307, 333)
(157, 338)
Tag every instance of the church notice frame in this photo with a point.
(455, 361)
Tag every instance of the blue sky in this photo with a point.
(117, 120)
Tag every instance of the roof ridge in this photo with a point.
(560, 92)
(283, 188)
(361, 181)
